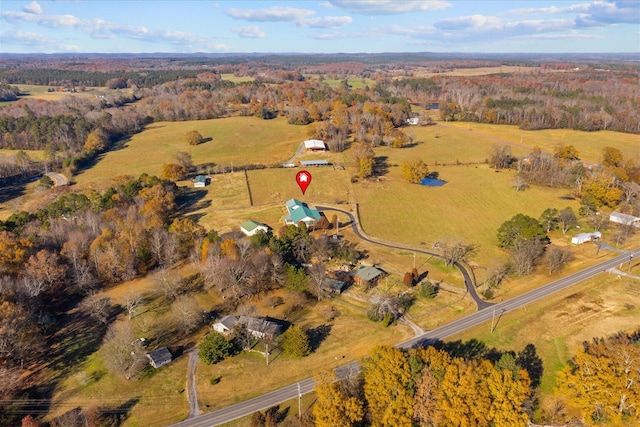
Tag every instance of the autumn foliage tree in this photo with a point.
(193, 137)
(334, 406)
(414, 171)
(603, 381)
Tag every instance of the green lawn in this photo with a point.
(234, 140)
(588, 144)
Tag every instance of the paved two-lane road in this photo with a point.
(291, 392)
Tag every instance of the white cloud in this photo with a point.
(596, 13)
(271, 14)
(389, 7)
(326, 4)
(35, 41)
(342, 36)
(251, 32)
(100, 29)
(326, 22)
(33, 7)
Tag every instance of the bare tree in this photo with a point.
(122, 352)
(97, 307)
(169, 284)
(187, 313)
(567, 219)
(132, 302)
(520, 183)
(525, 254)
(631, 190)
(319, 282)
(556, 258)
(501, 157)
(455, 250)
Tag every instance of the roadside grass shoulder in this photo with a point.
(559, 324)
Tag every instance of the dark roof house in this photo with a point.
(367, 276)
(259, 327)
(159, 357)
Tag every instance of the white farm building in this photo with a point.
(621, 218)
(581, 238)
(314, 145)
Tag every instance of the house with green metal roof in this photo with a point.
(251, 227)
(301, 212)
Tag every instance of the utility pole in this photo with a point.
(493, 317)
(414, 260)
(299, 402)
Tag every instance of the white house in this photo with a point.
(314, 145)
(251, 227)
(413, 121)
(621, 218)
(259, 327)
(581, 238)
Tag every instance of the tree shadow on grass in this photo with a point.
(10, 192)
(317, 335)
(380, 165)
(191, 200)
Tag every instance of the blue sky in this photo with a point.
(324, 26)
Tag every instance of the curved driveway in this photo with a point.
(357, 229)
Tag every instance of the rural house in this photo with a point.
(259, 327)
(314, 145)
(581, 238)
(159, 357)
(251, 227)
(367, 276)
(200, 181)
(625, 219)
(301, 212)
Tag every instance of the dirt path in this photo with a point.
(194, 410)
(298, 153)
(57, 178)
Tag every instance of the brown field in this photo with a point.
(483, 71)
(234, 140)
(558, 324)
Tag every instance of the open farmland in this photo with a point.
(42, 92)
(234, 140)
(599, 307)
(588, 144)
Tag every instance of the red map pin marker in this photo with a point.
(303, 178)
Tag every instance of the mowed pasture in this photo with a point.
(42, 92)
(559, 324)
(233, 141)
(588, 144)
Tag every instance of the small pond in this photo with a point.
(433, 182)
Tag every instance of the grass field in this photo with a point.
(231, 78)
(41, 92)
(234, 140)
(588, 144)
(559, 324)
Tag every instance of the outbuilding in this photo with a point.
(200, 181)
(304, 163)
(581, 238)
(251, 227)
(159, 357)
(314, 145)
(625, 219)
